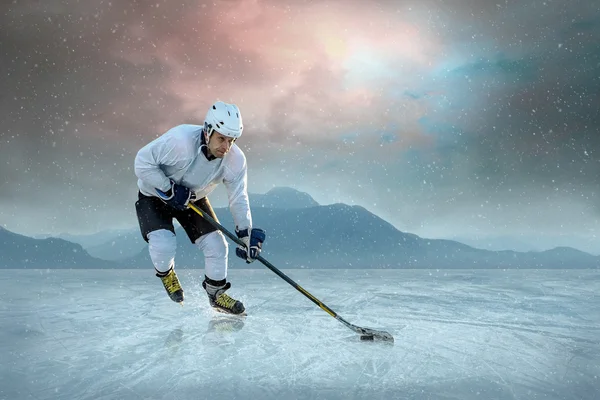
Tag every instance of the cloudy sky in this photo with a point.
(447, 118)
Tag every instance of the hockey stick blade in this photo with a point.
(368, 333)
(378, 335)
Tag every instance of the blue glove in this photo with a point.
(252, 244)
(178, 196)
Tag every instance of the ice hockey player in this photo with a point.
(184, 165)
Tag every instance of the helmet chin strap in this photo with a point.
(205, 148)
(208, 130)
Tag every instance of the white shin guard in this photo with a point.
(162, 246)
(215, 250)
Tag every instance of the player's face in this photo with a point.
(219, 145)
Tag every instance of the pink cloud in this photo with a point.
(294, 69)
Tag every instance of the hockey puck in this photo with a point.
(366, 337)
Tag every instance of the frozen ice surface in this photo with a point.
(103, 334)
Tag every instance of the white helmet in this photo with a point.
(224, 118)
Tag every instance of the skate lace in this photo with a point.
(225, 301)
(172, 283)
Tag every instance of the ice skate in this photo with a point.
(222, 302)
(172, 286)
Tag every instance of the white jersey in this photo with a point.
(180, 155)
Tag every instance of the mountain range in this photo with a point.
(300, 234)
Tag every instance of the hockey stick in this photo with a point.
(366, 333)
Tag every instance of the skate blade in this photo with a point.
(228, 313)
